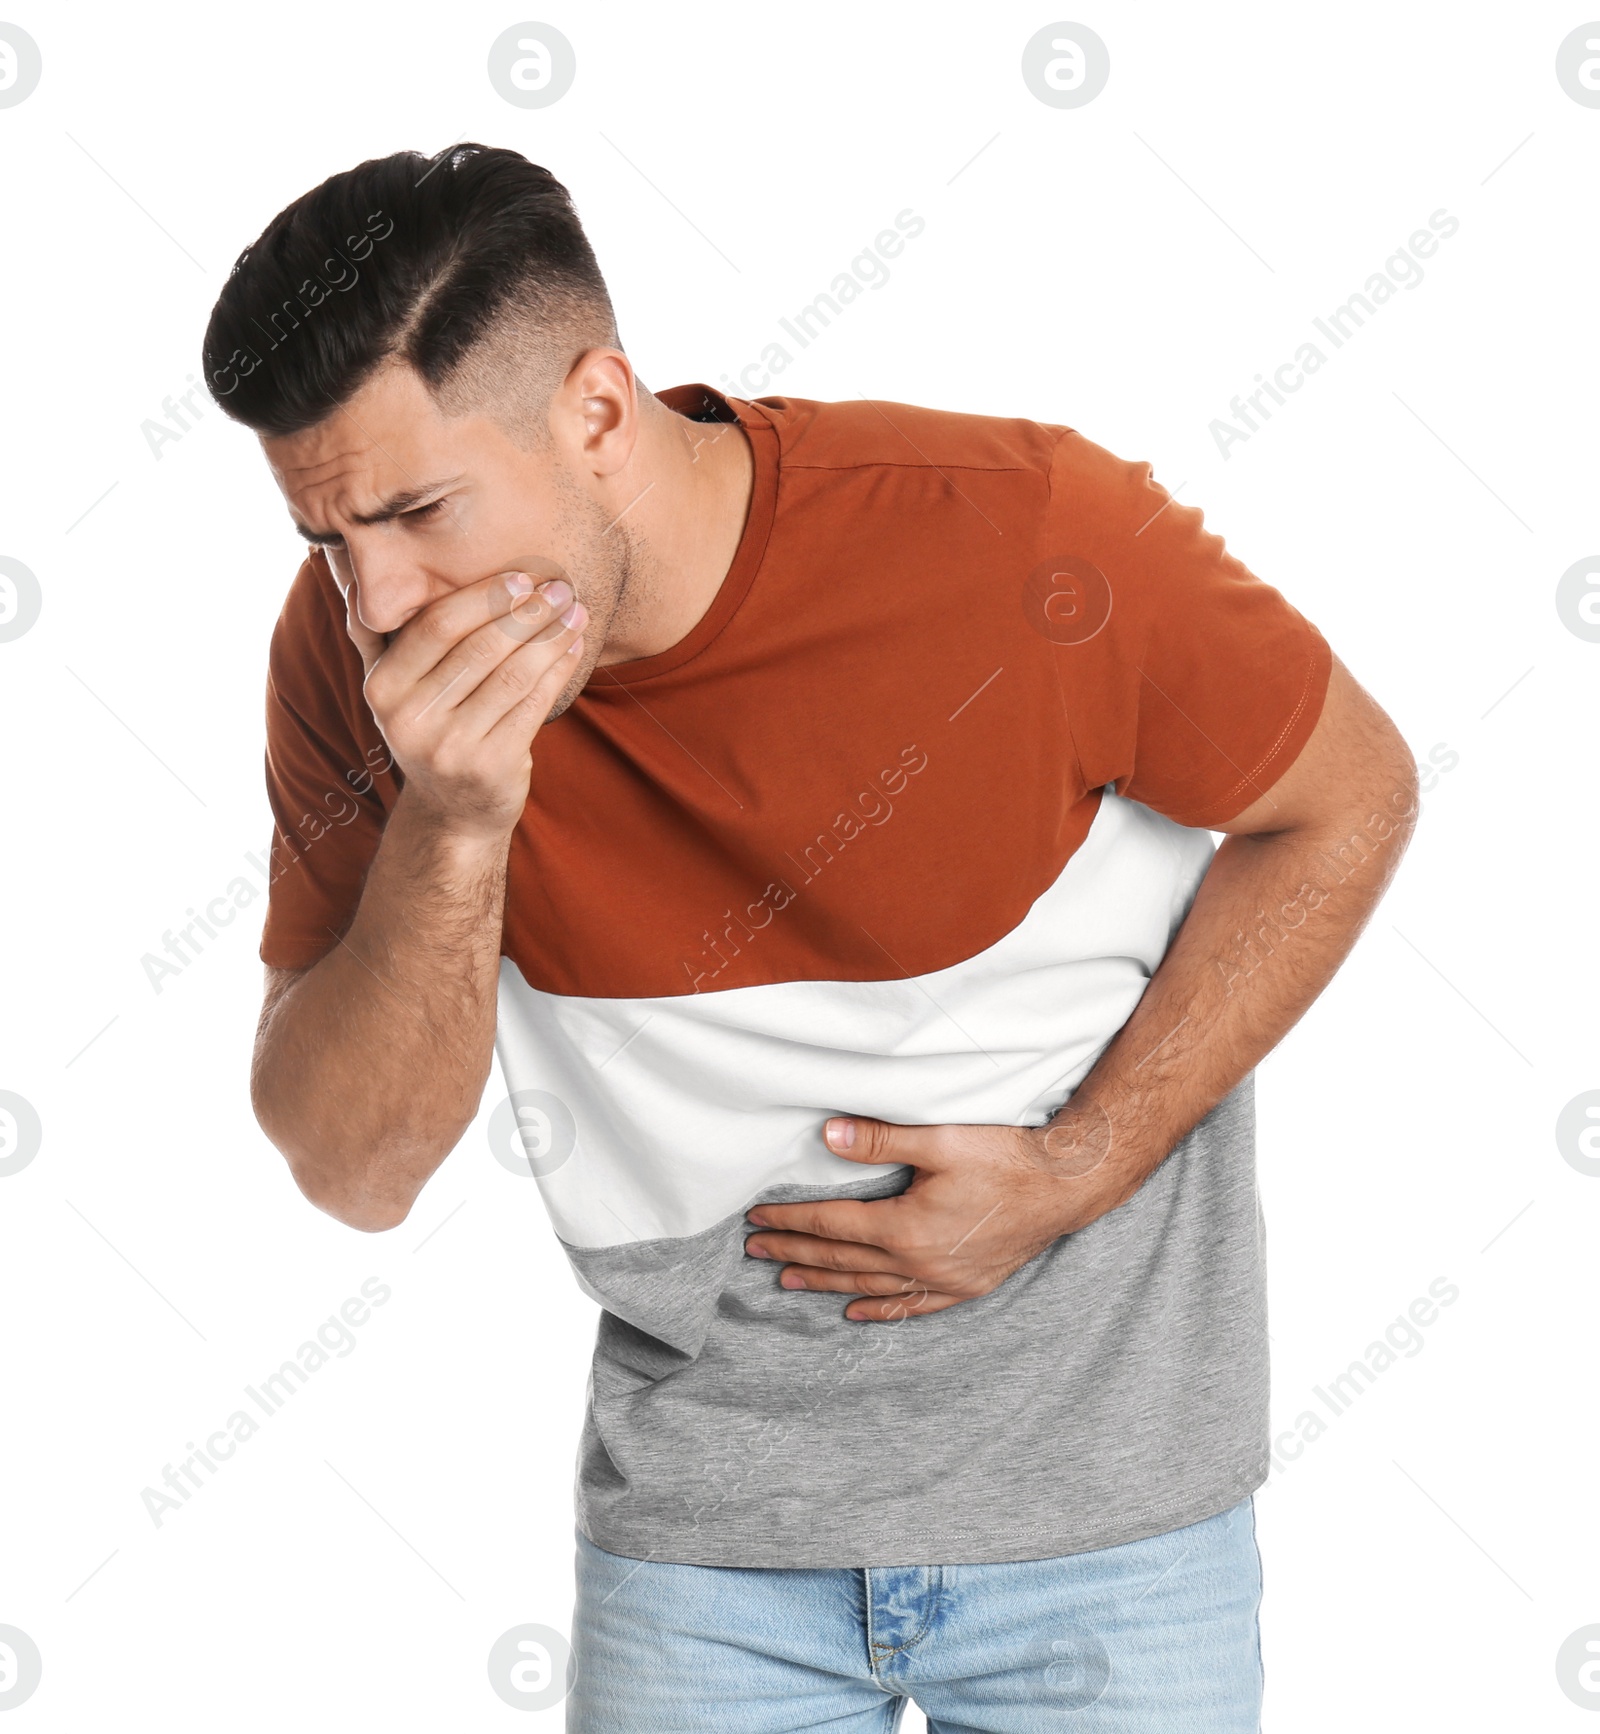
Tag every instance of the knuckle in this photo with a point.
(528, 715)
(533, 663)
(878, 1138)
(474, 655)
(536, 694)
(375, 689)
(433, 627)
(509, 678)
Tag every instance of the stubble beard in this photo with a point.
(606, 586)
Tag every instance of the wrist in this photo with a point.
(1076, 1140)
(465, 843)
(1076, 1151)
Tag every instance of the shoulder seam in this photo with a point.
(924, 464)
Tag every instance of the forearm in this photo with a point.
(371, 1065)
(1275, 916)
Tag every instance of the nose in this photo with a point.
(390, 586)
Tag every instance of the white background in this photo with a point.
(1126, 268)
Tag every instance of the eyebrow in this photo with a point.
(397, 505)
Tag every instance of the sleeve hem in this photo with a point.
(294, 953)
(1291, 740)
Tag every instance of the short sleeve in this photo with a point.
(330, 779)
(1189, 683)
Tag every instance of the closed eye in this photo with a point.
(423, 513)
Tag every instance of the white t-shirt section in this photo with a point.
(688, 1107)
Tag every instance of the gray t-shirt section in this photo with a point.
(1113, 1388)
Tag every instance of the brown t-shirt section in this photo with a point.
(941, 635)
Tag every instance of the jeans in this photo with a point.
(1153, 1637)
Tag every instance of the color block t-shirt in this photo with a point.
(901, 828)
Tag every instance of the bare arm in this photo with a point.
(1285, 898)
(370, 1064)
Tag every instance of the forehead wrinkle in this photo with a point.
(377, 445)
(321, 469)
(393, 504)
(337, 467)
(333, 471)
(414, 495)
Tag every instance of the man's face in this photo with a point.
(449, 500)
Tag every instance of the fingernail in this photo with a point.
(518, 584)
(841, 1133)
(558, 593)
(575, 615)
(792, 1279)
(757, 1251)
(759, 1221)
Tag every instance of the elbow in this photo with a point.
(1376, 829)
(340, 1185)
(1403, 788)
(337, 1181)
(369, 1218)
(355, 1205)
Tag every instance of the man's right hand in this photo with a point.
(371, 1063)
(462, 688)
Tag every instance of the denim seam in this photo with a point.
(1255, 1542)
(882, 1652)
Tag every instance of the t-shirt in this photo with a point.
(901, 828)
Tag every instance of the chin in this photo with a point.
(569, 692)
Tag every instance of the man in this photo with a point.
(810, 803)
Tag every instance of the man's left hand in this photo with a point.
(984, 1201)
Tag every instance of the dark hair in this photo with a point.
(407, 256)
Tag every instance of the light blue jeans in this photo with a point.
(1153, 1637)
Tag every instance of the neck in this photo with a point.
(683, 504)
